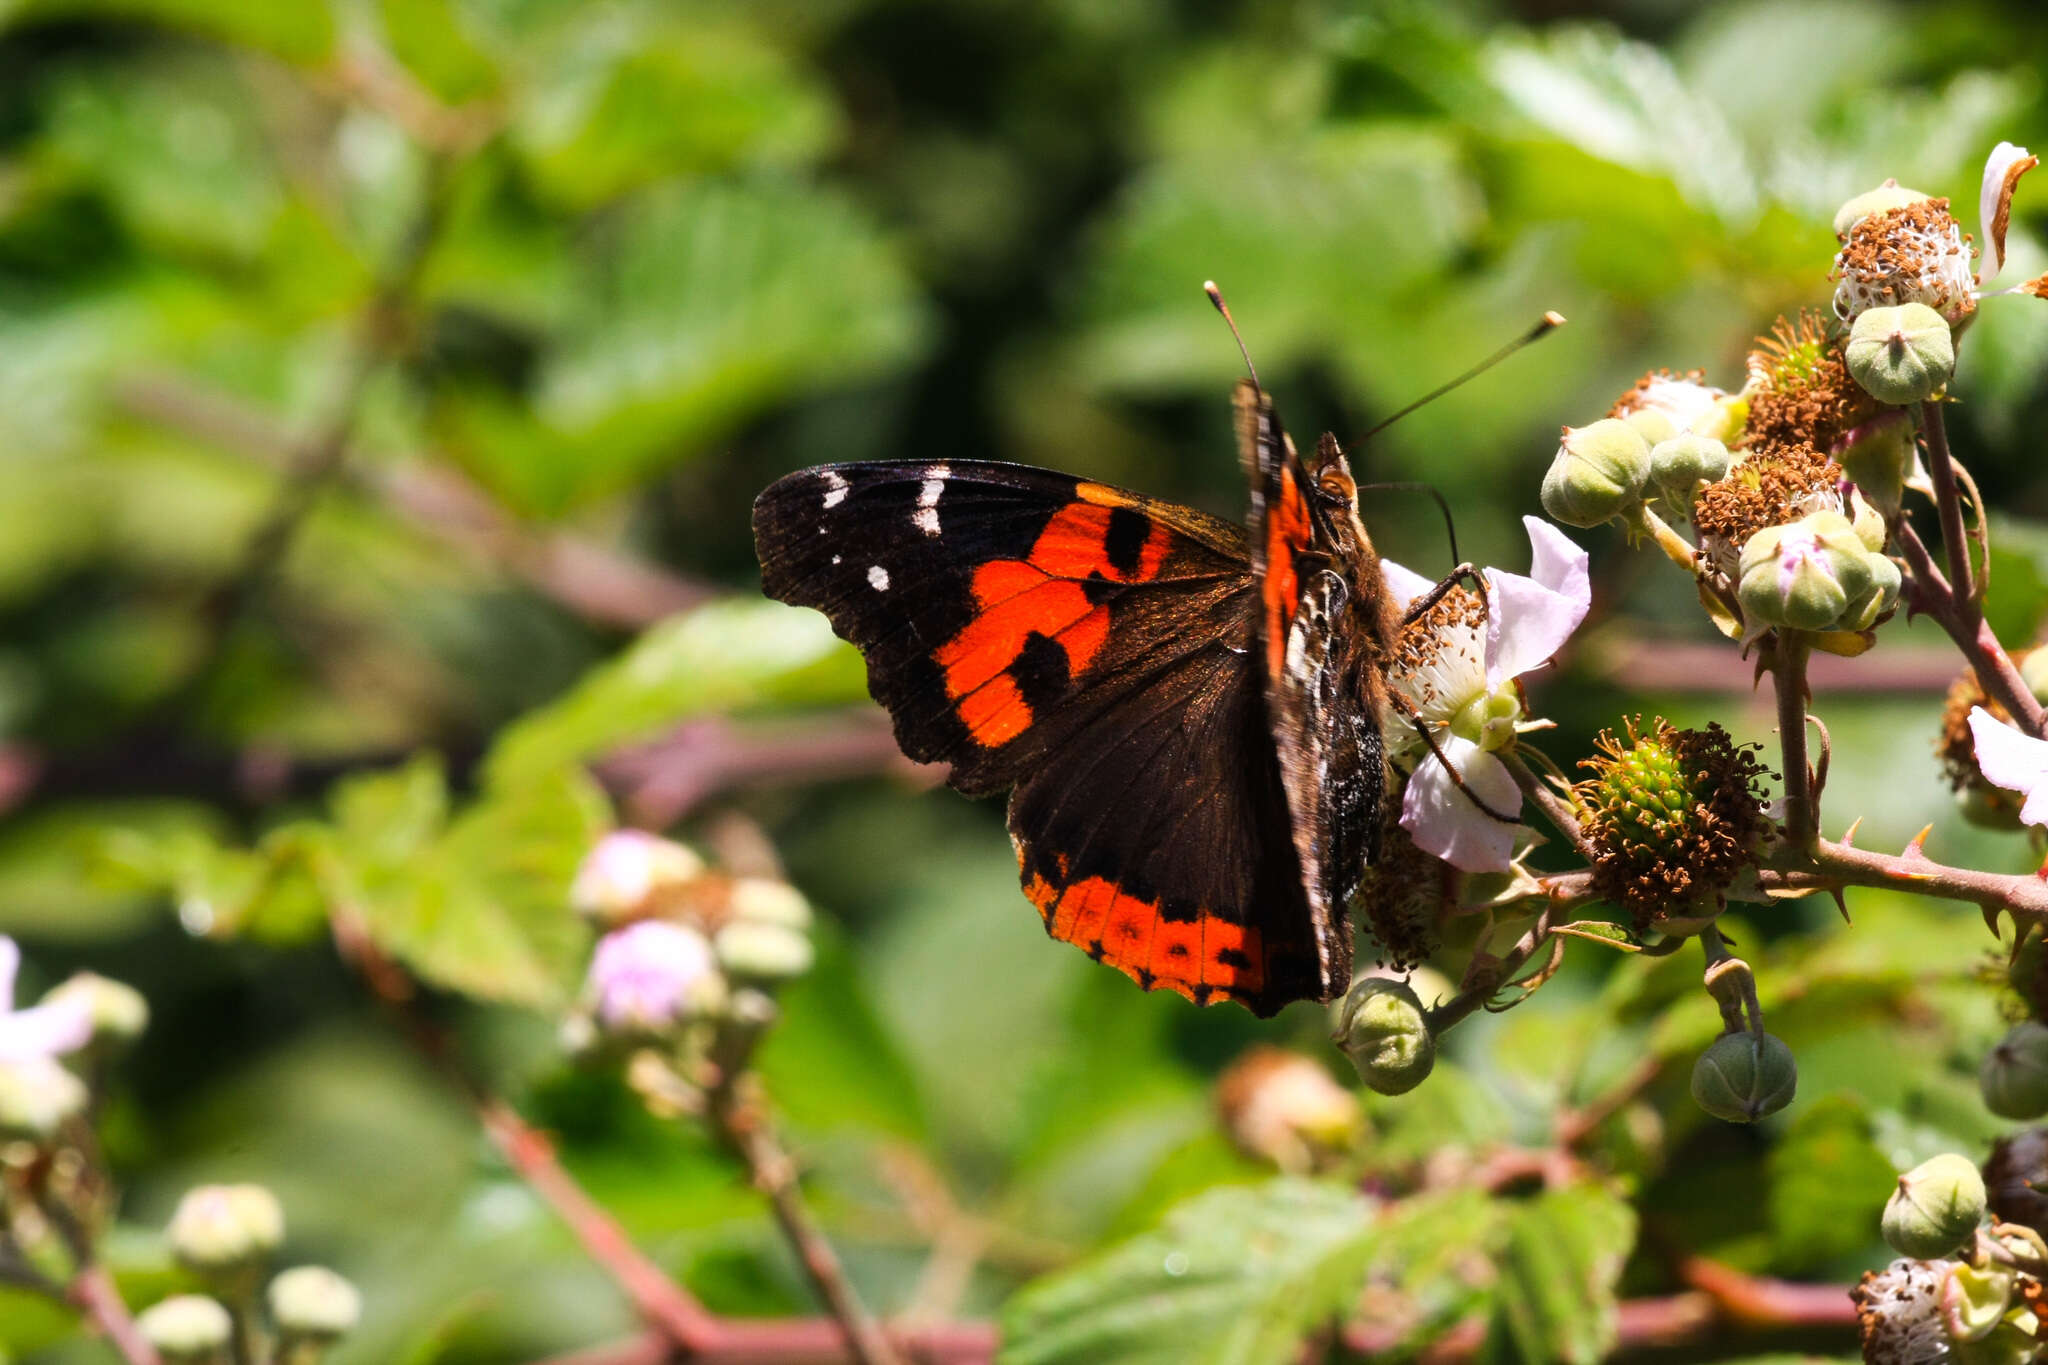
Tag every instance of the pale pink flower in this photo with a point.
(42, 1032)
(1462, 690)
(650, 976)
(2013, 760)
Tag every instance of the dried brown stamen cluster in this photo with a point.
(1773, 485)
(1915, 253)
(1800, 391)
(1672, 816)
(1403, 896)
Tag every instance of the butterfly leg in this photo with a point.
(1457, 780)
(1463, 575)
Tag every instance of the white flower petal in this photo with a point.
(1529, 619)
(2012, 760)
(2002, 172)
(50, 1029)
(1443, 820)
(10, 963)
(1404, 585)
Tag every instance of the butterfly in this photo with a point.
(1186, 712)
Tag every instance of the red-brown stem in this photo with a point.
(1833, 865)
(797, 1341)
(92, 1289)
(1788, 677)
(655, 1296)
(1948, 504)
(1972, 634)
(1755, 1301)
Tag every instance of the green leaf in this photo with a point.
(629, 104)
(483, 907)
(726, 656)
(694, 309)
(1558, 1270)
(1600, 931)
(432, 41)
(1237, 1276)
(1828, 1183)
(829, 1061)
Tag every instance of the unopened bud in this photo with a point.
(627, 873)
(1280, 1106)
(312, 1303)
(119, 1013)
(651, 977)
(1901, 355)
(222, 1228)
(1890, 195)
(1806, 575)
(36, 1096)
(1878, 457)
(1652, 424)
(1744, 1076)
(765, 900)
(1679, 465)
(758, 950)
(1880, 597)
(1386, 1034)
(2014, 1076)
(187, 1328)
(1598, 473)
(1935, 1208)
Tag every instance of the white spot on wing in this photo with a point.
(878, 578)
(835, 559)
(835, 488)
(926, 517)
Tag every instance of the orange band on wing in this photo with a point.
(1200, 957)
(1288, 530)
(1045, 595)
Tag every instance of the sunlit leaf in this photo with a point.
(1563, 1257)
(1829, 1181)
(737, 655)
(1235, 1277)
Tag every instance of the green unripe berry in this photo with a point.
(1384, 1031)
(1935, 1208)
(1901, 355)
(2014, 1076)
(1743, 1077)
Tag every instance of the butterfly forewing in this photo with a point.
(1094, 649)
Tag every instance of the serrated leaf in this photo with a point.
(1600, 931)
(1237, 1276)
(1563, 1256)
(297, 32)
(721, 657)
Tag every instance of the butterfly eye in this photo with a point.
(1335, 488)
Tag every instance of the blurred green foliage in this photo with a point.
(624, 263)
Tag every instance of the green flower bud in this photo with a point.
(312, 1303)
(1805, 576)
(187, 1328)
(36, 1096)
(1880, 597)
(119, 1013)
(1890, 195)
(223, 1228)
(1878, 456)
(1743, 1077)
(759, 951)
(2014, 1076)
(1901, 355)
(1598, 473)
(767, 901)
(1652, 424)
(1385, 1033)
(1679, 465)
(1935, 1208)
(2034, 673)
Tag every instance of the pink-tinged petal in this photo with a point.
(1557, 562)
(2002, 172)
(1443, 821)
(1404, 585)
(2012, 760)
(51, 1029)
(10, 963)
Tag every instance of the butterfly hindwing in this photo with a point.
(1096, 650)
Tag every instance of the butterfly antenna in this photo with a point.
(1545, 325)
(1414, 486)
(1216, 297)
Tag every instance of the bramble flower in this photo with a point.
(36, 1092)
(2002, 172)
(626, 873)
(1898, 1312)
(1663, 405)
(1456, 669)
(651, 976)
(2017, 762)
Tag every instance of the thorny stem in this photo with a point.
(1788, 676)
(1972, 634)
(1948, 504)
(739, 1111)
(1489, 980)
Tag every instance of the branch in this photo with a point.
(92, 1289)
(1948, 505)
(594, 581)
(796, 1341)
(1832, 866)
(1788, 680)
(1972, 634)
